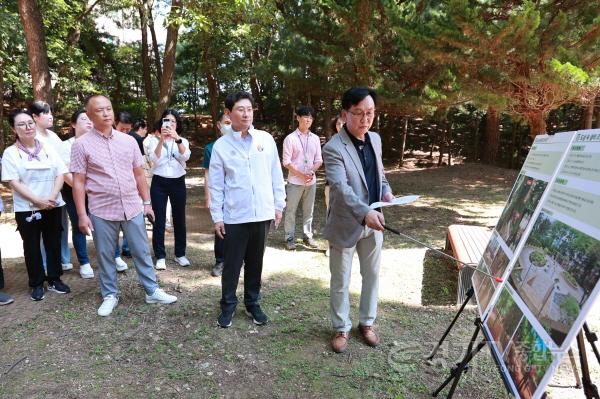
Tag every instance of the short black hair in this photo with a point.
(16, 112)
(356, 95)
(74, 118)
(305, 110)
(157, 125)
(39, 107)
(233, 98)
(124, 117)
(175, 114)
(139, 124)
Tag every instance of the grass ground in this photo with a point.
(59, 348)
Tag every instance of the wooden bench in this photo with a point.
(466, 243)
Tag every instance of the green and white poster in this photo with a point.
(546, 246)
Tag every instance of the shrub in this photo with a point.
(538, 258)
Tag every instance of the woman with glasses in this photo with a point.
(34, 171)
(80, 125)
(169, 154)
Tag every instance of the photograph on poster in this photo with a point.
(519, 209)
(499, 264)
(483, 286)
(527, 359)
(503, 320)
(491, 249)
(556, 272)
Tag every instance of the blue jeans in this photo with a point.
(65, 251)
(79, 241)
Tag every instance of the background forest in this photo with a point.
(477, 79)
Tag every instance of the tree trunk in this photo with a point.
(431, 146)
(537, 124)
(476, 127)
(37, 53)
(491, 138)
(166, 82)
(449, 143)
(328, 116)
(147, 74)
(255, 86)
(598, 115)
(588, 116)
(403, 146)
(213, 95)
(385, 134)
(443, 130)
(154, 47)
(2, 141)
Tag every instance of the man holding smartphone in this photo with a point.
(247, 192)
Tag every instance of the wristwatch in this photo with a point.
(179, 141)
(147, 202)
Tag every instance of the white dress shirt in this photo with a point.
(245, 182)
(171, 163)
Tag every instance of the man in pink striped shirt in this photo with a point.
(302, 158)
(107, 165)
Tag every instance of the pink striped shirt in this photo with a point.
(303, 151)
(108, 164)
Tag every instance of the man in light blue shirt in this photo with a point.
(247, 192)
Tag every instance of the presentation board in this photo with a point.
(546, 246)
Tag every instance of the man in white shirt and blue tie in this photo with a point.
(247, 193)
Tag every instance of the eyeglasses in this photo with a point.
(362, 114)
(25, 125)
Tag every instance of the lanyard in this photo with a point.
(169, 151)
(304, 148)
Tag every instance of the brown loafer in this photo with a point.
(339, 342)
(369, 335)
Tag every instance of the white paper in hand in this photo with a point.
(407, 199)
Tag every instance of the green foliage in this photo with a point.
(570, 308)
(442, 61)
(538, 258)
(569, 277)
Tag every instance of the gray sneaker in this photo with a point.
(217, 269)
(5, 299)
(290, 245)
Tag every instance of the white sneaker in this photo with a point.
(160, 296)
(182, 261)
(86, 271)
(160, 264)
(110, 302)
(67, 266)
(121, 265)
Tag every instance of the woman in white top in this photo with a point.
(80, 125)
(42, 116)
(35, 174)
(169, 154)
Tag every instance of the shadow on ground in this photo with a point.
(178, 351)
